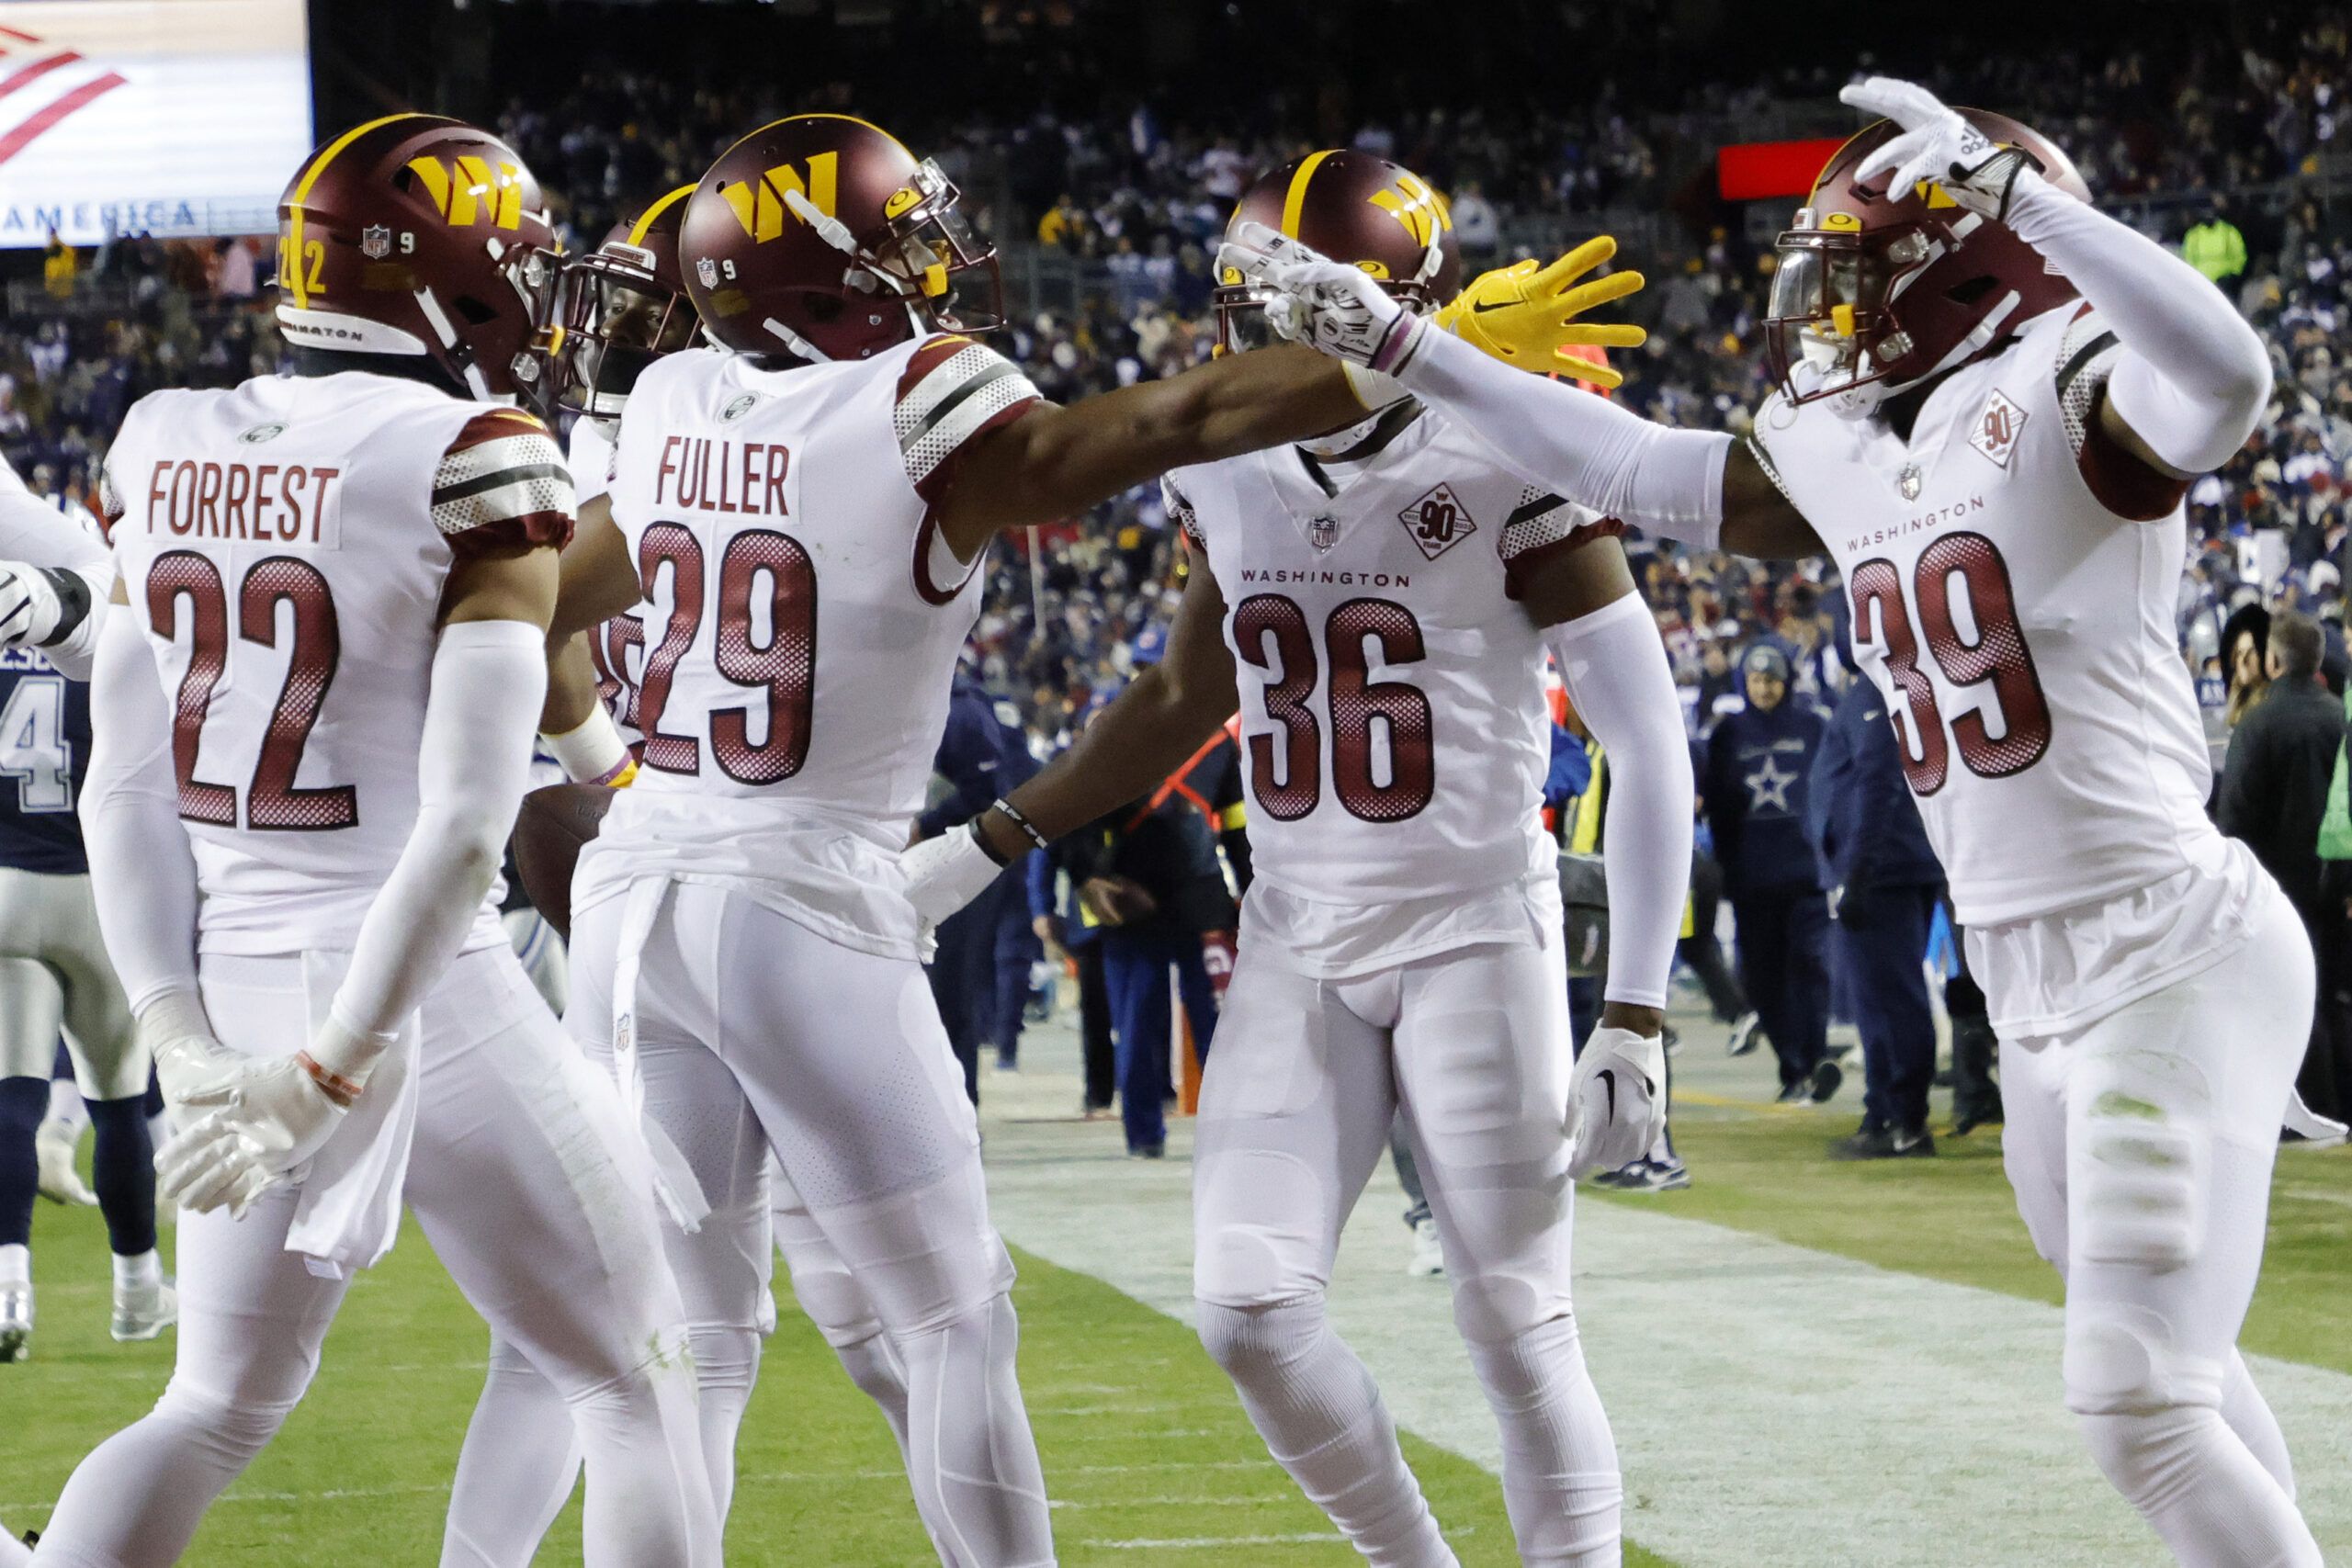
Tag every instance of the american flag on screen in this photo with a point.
(41, 85)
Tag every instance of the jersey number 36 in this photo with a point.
(1355, 702)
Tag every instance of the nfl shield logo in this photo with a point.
(375, 241)
(1907, 481)
(708, 270)
(1322, 532)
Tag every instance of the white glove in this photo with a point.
(32, 605)
(1616, 1100)
(947, 873)
(1936, 145)
(258, 1120)
(1325, 304)
(179, 1040)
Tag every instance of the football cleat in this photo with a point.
(1429, 1254)
(1746, 1033)
(16, 1322)
(53, 1147)
(142, 1312)
(1647, 1176)
(1821, 1084)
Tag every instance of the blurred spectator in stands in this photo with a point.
(1885, 884)
(1476, 224)
(2214, 247)
(1064, 225)
(2273, 795)
(2244, 639)
(232, 271)
(1758, 761)
(57, 263)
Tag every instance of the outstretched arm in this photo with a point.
(1053, 461)
(1127, 749)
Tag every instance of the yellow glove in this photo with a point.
(1529, 318)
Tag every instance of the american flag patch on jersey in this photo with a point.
(502, 487)
(953, 389)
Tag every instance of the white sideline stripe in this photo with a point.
(1203, 1542)
(1774, 1406)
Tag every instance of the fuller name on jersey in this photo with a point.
(801, 621)
(1395, 730)
(285, 544)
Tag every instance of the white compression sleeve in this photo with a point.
(1613, 664)
(473, 764)
(35, 533)
(2194, 376)
(142, 874)
(1666, 481)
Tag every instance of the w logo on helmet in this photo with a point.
(473, 189)
(761, 209)
(1412, 202)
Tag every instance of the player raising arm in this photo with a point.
(1378, 603)
(1992, 398)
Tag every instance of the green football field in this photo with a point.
(1148, 1455)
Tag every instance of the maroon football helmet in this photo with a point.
(821, 237)
(1353, 208)
(618, 309)
(416, 234)
(1880, 289)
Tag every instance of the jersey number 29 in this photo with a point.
(783, 665)
(1988, 647)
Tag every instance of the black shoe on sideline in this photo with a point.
(1822, 1085)
(1865, 1142)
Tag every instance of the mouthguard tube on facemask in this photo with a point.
(1665, 482)
(1613, 664)
(2194, 377)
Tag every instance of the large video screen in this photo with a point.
(178, 116)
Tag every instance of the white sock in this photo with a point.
(1561, 1483)
(143, 1272)
(15, 1264)
(973, 1460)
(1323, 1420)
(65, 1104)
(2199, 1487)
(727, 1363)
(14, 1553)
(2249, 1416)
(517, 1470)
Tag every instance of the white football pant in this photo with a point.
(535, 1196)
(756, 1034)
(1473, 1048)
(2141, 1149)
(54, 972)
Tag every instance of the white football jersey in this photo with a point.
(617, 648)
(1395, 732)
(801, 621)
(285, 544)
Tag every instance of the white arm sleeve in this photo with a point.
(1614, 666)
(143, 872)
(473, 764)
(1666, 481)
(35, 533)
(2194, 377)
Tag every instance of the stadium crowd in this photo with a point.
(1133, 205)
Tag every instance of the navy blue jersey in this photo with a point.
(44, 754)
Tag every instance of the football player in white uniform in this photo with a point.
(313, 709)
(802, 520)
(619, 308)
(1992, 399)
(1386, 595)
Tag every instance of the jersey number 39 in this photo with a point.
(1969, 613)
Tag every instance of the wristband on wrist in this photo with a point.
(594, 752)
(1012, 813)
(982, 839)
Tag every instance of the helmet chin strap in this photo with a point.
(800, 348)
(1860, 402)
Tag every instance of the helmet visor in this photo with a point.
(943, 263)
(1828, 327)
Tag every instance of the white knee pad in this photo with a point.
(1253, 1344)
(233, 1430)
(2123, 1359)
(2139, 1172)
(829, 1294)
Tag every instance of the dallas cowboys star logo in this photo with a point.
(1769, 784)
